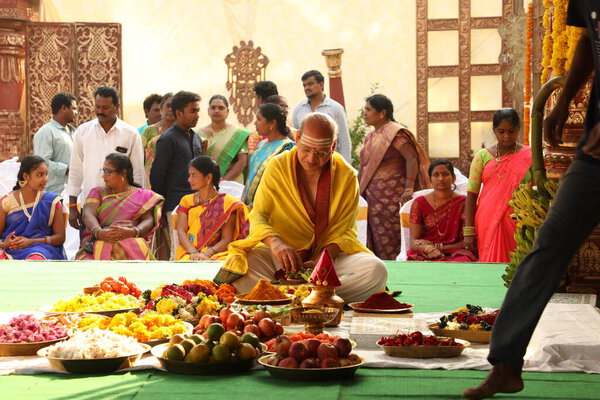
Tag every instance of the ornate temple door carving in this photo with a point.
(69, 57)
(459, 78)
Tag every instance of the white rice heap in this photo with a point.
(95, 343)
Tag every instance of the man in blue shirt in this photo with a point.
(54, 141)
(151, 110)
(314, 83)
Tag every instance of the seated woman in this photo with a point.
(32, 225)
(270, 122)
(207, 221)
(224, 142)
(119, 217)
(437, 219)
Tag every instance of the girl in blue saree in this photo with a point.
(32, 226)
(270, 122)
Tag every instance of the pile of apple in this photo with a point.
(261, 323)
(312, 353)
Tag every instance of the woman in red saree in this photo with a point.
(500, 169)
(437, 219)
(392, 167)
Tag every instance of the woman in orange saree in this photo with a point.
(501, 168)
(393, 165)
(207, 221)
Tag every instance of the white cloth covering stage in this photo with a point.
(567, 339)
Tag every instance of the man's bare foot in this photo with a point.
(501, 379)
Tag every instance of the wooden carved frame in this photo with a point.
(246, 65)
(464, 71)
(69, 57)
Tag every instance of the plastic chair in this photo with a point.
(231, 188)
(361, 220)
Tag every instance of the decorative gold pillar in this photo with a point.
(13, 16)
(333, 59)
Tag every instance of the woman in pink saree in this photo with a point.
(500, 169)
(119, 217)
(392, 167)
(437, 219)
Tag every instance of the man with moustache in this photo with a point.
(169, 173)
(93, 141)
(314, 83)
(307, 201)
(54, 141)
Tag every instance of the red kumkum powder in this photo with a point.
(382, 301)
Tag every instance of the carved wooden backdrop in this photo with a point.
(69, 57)
(246, 65)
(464, 71)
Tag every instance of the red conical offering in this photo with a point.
(324, 273)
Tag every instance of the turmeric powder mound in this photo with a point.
(263, 290)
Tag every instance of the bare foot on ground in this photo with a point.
(501, 379)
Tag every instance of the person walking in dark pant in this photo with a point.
(574, 213)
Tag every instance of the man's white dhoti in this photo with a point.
(367, 274)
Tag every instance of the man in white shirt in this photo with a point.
(314, 83)
(54, 141)
(93, 141)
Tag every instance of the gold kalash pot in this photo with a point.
(324, 296)
(583, 275)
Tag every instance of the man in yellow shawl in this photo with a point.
(307, 201)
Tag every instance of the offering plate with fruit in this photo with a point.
(471, 323)
(217, 352)
(417, 345)
(311, 359)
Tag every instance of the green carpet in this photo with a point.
(431, 286)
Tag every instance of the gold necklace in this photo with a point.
(123, 193)
(209, 198)
(435, 214)
(501, 174)
(508, 153)
(24, 209)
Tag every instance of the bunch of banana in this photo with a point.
(530, 208)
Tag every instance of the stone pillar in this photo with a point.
(13, 16)
(333, 58)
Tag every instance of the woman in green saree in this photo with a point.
(226, 143)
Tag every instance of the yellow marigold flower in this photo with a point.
(156, 293)
(166, 306)
(178, 328)
(117, 320)
(121, 330)
(475, 327)
(207, 306)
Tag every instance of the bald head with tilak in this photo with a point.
(316, 141)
